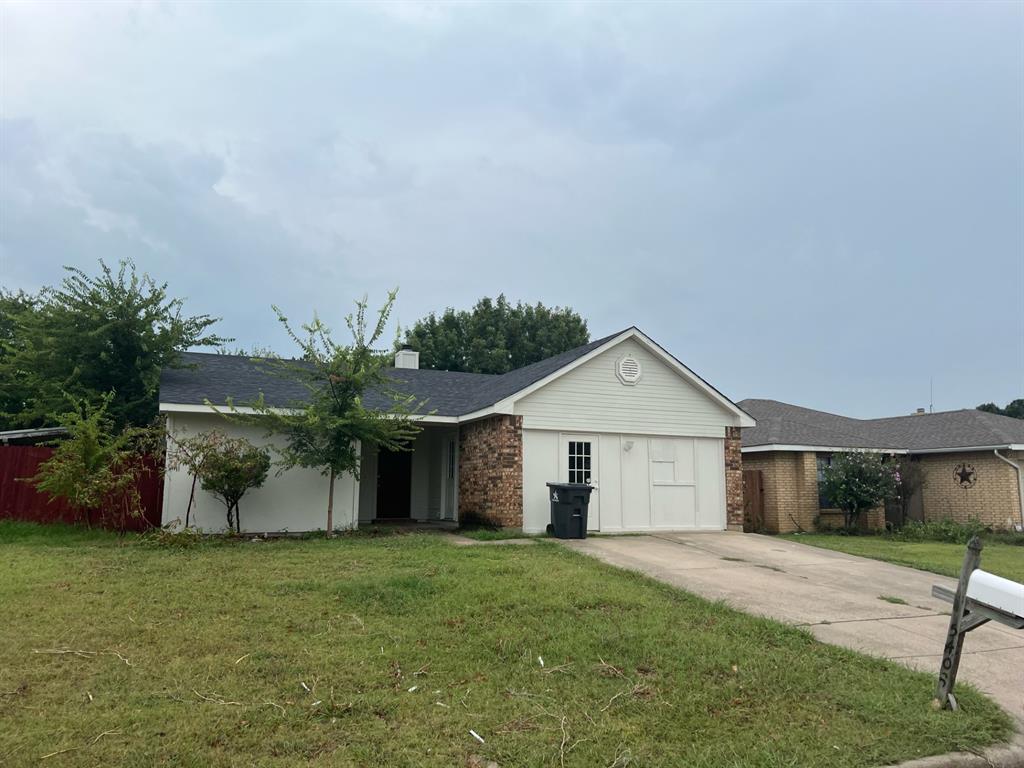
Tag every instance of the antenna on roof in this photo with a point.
(931, 394)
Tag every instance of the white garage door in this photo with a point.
(642, 483)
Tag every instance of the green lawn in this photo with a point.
(1006, 560)
(389, 650)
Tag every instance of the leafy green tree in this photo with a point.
(97, 465)
(93, 335)
(1014, 409)
(856, 481)
(325, 431)
(15, 392)
(228, 467)
(495, 336)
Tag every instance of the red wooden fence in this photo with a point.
(20, 501)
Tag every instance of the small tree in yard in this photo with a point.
(96, 466)
(227, 467)
(325, 430)
(856, 481)
(230, 467)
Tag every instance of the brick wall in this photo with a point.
(993, 499)
(790, 489)
(791, 493)
(733, 480)
(491, 470)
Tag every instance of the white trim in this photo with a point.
(528, 424)
(915, 452)
(483, 413)
(817, 448)
(249, 411)
(964, 449)
(194, 408)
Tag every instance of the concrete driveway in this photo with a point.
(834, 595)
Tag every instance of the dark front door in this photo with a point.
(394, 483)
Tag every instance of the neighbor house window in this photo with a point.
(579, 461)
(824, 460)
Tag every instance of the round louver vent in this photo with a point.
(628, 370)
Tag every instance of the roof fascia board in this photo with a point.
(965, 448)
(247, 411)
(499, 409)
(745, 420)
(203, 408)
(827, 449)
(817, 448)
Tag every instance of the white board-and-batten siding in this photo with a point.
(591, 398)
(659, 445)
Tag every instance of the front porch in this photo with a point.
(419, 485)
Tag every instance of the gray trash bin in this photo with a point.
(569, 504)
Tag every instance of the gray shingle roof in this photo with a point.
(216, 378)
(785, 424)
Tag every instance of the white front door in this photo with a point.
(578, 463)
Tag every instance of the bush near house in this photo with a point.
(97, 466)
(856, 481)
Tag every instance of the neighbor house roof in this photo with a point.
(781, 426)
(213, 378)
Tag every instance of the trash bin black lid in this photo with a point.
(569, 486)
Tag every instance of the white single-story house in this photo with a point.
(659, 444)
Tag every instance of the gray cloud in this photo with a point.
(820, 203)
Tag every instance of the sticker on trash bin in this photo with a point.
(554, 496)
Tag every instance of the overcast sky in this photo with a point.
(815, 203)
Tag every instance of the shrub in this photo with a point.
(856, 481)
(96, 467)
(169, 537)
(953, 532)
(227, 467)
(232, 466)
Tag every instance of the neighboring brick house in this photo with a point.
(971, 463)
(659, 444)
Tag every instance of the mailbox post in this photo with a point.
(989, 598)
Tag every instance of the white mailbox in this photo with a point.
(996, 592)
(980, 597)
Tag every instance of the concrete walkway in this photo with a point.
(834, 595)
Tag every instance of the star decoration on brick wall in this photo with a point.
(965, 475)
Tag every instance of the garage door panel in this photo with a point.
(685, 461)
(710, 485)
(643, 482)
(674, 506)
(636, 484)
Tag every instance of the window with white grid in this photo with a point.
(579, 461)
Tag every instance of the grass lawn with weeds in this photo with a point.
(1006, 560)
(391, 650)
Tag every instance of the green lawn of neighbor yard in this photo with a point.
(391, 650)
(1006, 560)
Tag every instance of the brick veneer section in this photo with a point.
(790, 480)
(491, 470)
(733, 480)
(994, 499)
